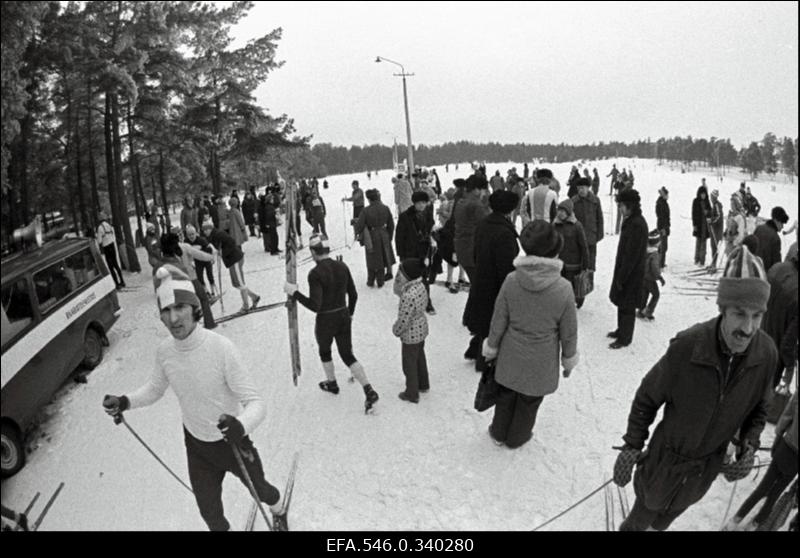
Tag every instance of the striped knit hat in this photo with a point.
(744, 282)
(173, 286)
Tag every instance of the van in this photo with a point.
(58, 304)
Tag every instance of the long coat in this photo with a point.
(413, 235)
(534, 326)
(379, 224)
(780, 319)
(467, 213)
(702, 414)
(662, 215)
(769, 244)
(701, 211)
(249, 210)
(590, 213)
(626, 288)
(495, 249)
(575, 252)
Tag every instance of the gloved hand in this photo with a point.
(663, 281)
(488, 352)
(741, 467)
(115, 405)
(566, 372)
(232, 430)
(289, 288)
(623, 467)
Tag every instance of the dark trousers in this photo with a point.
(200, 291)
(470, 271)
(651, 296)
(110, 253)
(377, 275)
(335, 326)
(319, 225)
(514, 416)
(570, 276)
(252, 227)
(662, 249)
(269, 236)
(782, 469)
(208, 267)
(208, 463)
(592, 256)
(415, 369)
(640, 518)
(700, 250)
(626, 321)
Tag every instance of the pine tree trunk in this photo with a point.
(110, 173)
(163, 183)
(122, 198)
(92, 166)
(79, 175)
(132, 161)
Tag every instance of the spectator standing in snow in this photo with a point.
(572, 182)
(153, 247)
(716, 222)
(443, 234)
(332, 297)
(268, 224)
(357, 199)
(574, 252)
(626, 286)
(495, 250)
(376, 226)
(782, 469)
(595, 182)
(468, 212)
(249, 206)
(534, 326)
(701, 214)
(233, 258)
(497, 182)
(769, 241)
(411, 327)
(189, 214)
(652, 273)
(613, 184)
(237, 228)
(219, 401)
(736, 225)
(413, 239)
(108, 246)
(663, 223)
(402, 193)
(715, 385)
(317, 212)
(589, 212)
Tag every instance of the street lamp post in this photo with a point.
(403, 74)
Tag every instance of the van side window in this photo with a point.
(52, 285)
(80, 268)
(17, 312)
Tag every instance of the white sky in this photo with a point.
(532, 71)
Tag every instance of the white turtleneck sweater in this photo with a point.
(206, 373)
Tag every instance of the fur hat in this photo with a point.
(174, 287)
(567, 206)
(654, 238)
(779, 215)
(544, 173)
(503, 201)
(459, 182)
(372, 194)
(419, 196)
(540, 238)
(319, 244)
(411, 268)
(583, 181)
(744, 281)
(629, 197)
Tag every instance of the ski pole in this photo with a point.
(219, 280)
(238, 454)
(119, 418)
(575, 505)
(344, 221)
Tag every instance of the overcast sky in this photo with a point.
(532, 72)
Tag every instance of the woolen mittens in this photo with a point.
(232, 430)
(623, 468)
(739, 469)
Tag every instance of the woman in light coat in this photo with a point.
(238, 230)
(534, 328)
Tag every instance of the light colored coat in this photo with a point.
(534, 327)
(411, 325)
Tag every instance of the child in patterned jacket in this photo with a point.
(411, 327)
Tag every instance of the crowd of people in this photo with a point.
(526, 287)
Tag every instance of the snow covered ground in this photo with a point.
(430, 466)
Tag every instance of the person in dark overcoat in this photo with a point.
(268, 224)
(663, 223)
(701, 213)
(714, 383)
(574, 253)
(780, 320)
(495, 249)
(626, 287)
(589, 211)
(377, 225)
(769, 241)
(413, 239)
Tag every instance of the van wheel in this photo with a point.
(92, 349)
(12, 451)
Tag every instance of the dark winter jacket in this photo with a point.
(467, 213)
(412, 238)
(495, 249)
(376, 221)
(590, 213)
(702, 413)
(629, 267)
(769, 244)
(249, 210)
(780, 319)
(751, 205)
(662, 215)
(229, 250)
(595, 183)
(267, 218)
(701, 211)
(575, 252)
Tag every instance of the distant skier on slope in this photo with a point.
(219, 402)
(715, 383)
(332, 297)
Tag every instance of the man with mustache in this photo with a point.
(714, 382)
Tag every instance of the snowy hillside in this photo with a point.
(430, 466)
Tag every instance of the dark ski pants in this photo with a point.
(319, 226)
(208, 267)
(415, 368)
(700, 250)
(335, 325)
(640, 518)
(208, 316)
(252, 228)
(208, 463)
(662, 249)
(782, 469)
(651, 296)
(377, 275)
(514, 416)
(626, 321)
(570, 275)
(110, 253)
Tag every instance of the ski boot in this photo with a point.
(280, 521)
(372, 398)
(330, 386)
